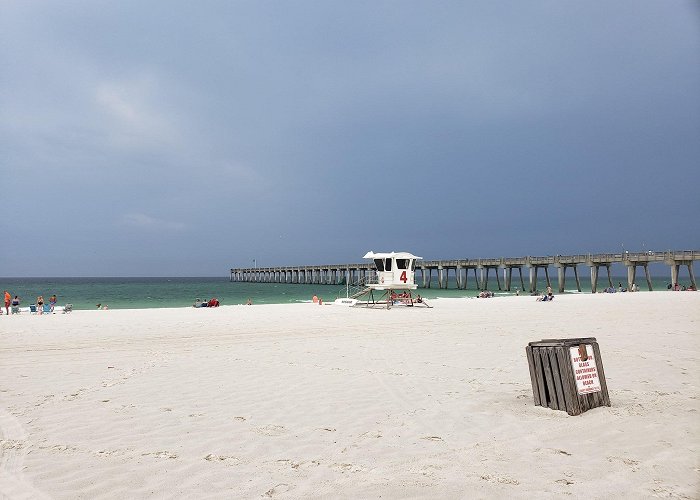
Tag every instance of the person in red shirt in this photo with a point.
(8, 298)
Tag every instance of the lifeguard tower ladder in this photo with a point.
(394, 278)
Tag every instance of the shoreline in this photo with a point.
(497, 295)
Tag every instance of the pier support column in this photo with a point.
(522, 282)
(648, 276)
(607, 266)
(675, 268)
(498, 280)
(440, 276)
(533, 279)
(484, 278)
(692, 275)
(507, 275)
(561, 275)
(458, 277)
(631, 275)
(578, 282)
(594, 278)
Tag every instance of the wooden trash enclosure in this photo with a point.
(567, 374)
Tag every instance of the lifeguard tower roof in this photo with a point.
(385, 255)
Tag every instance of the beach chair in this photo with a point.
(15, 310)
(32, 308)
(68, 308)
(46, 309)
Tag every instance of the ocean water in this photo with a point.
(143, 293)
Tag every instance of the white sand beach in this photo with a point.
(307, 401)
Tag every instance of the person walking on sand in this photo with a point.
(52, 301)
(40, 304)
(8, 299)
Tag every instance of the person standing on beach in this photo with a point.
(52, 301)
(15, 305)
(8, 298)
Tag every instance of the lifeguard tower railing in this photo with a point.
(358, 287)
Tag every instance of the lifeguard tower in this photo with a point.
(395, 277)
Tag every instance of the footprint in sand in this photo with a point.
(632, 464)
(223, 458)
(270, 430)
(347, 467)
(276, 490)
(160, 454)
(296, 465)
(371, 434)
(500, 479)
(75, 395)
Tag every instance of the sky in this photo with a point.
(179, 138)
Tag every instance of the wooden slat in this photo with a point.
(551, 391)
(559, 391)
(562, 342)
(539, 372)
(601, 373)
(533, 376)
(568, 381)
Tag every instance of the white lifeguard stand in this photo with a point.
(395, 272)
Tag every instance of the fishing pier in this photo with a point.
(501, 267)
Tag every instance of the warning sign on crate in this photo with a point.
(585, 371)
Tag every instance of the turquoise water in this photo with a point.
(143, 293)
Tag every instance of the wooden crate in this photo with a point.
(564, 377)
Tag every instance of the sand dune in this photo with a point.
(307, 401)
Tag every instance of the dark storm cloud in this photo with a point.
(179, 138)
